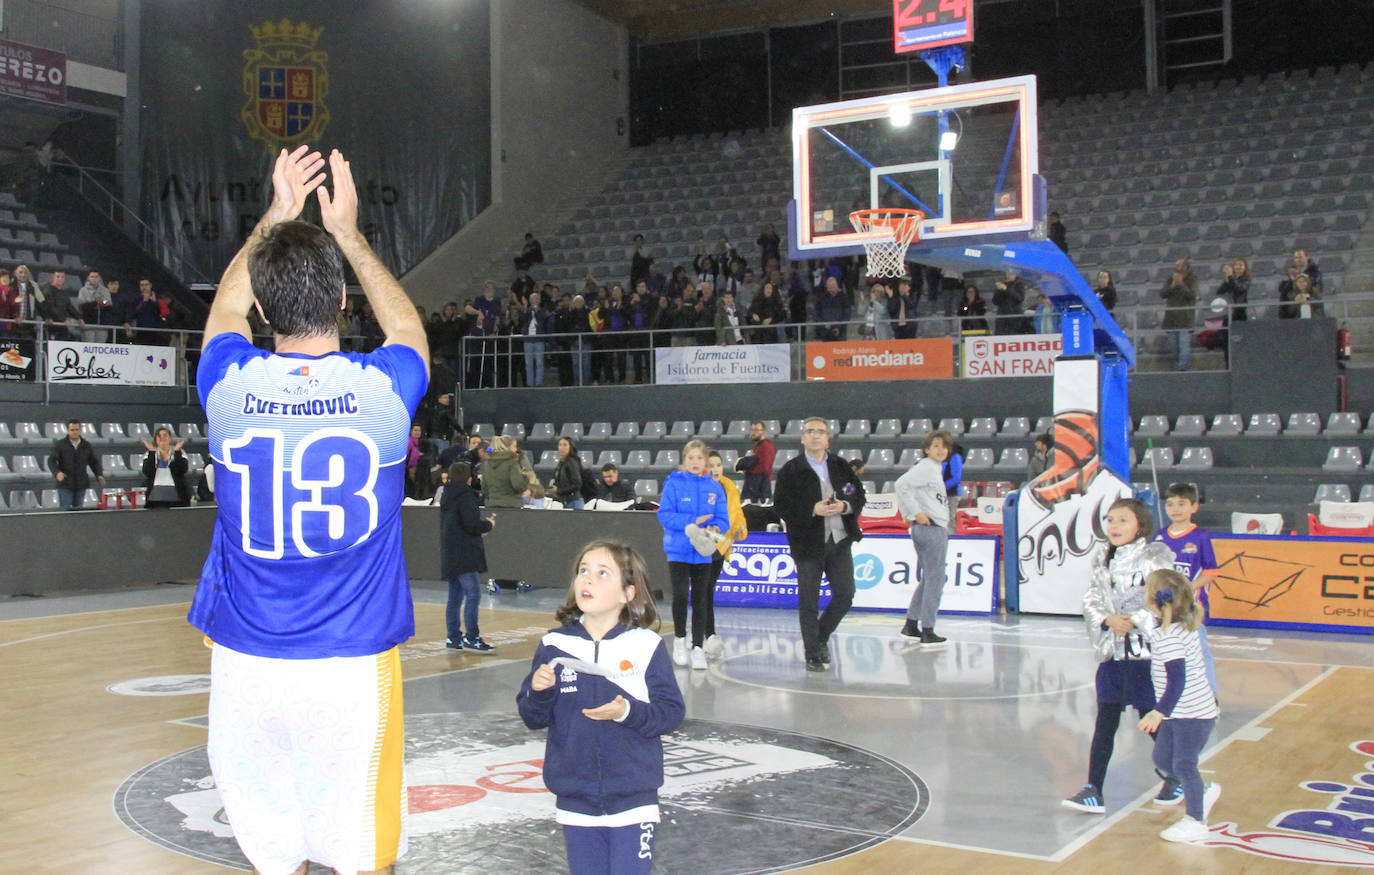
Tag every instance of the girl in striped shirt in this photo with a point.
(1186, 708)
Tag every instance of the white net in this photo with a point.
(887, 255)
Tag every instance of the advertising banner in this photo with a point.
(16, 359)
(32, 73)
(923, 359)
(749, 363)
(110, 364)
(1014, 355)
(760, 573)
(1269, 581)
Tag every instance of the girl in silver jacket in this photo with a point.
(1116, 591)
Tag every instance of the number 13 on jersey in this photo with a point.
(326, 501)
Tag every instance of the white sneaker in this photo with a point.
(1186, 830)
(680, 651)
(1209, 798)
(698, 659)
(714, 646)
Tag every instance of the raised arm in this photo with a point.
(293, 177)
(395, 313)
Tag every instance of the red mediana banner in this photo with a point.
(923, 359)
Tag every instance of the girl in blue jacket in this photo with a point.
(692, 502)
(603, 686)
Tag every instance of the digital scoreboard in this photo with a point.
(927, 24)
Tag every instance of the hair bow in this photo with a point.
(1163, 597)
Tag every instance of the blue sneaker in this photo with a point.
(1171, 793)
(477, 644)
(1088, 800)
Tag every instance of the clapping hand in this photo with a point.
(339, 212)
(294, 176)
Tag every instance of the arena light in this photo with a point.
(948, 140)
(900, 115)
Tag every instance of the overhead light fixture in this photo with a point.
(948, 140)
(900, 115)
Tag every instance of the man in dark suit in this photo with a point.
(820, 499)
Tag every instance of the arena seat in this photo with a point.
(597, 432)
(1264, 425)
(737, 430)
(978, 458)
(541, 432)
(637, 460)
(485, 430)
(1153, 426)
(1345, 424)
(48, 500)
(1195, 459)
(136, 461)
(1044, 425)
(571, 430)
(1343, 458)
(887, 429)
(1162, 457)
(1331, 492)
(625, 431)
(857, 428)
(23, 499)
(666, 460)
(1015, 427)
(952, 424)
(655, 430)
(1366, 492)
(646, 488)
(709, 430)
(910, 456)
(918, 428)
(29, 467)
(881, 460)
(1226, 425)
(728, 458)
(54, 431)
(113, 465)
(586, 458)
(982, 427)
(1256, 523)
(6, 475)
(1303, 424)
(682, 431)
(852, 455)
(609, 457)
(1190, 425)
(7, 437)
(793, 429)
(1013, 459)
(113, 432)
(511, 429)
(783, 456)
(548, 459)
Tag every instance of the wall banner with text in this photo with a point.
(111, 364)
(747, 363)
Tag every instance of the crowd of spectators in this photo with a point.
(98, 311)
(603, 332)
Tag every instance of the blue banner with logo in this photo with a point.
(760, 573)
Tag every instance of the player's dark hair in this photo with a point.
(609, 466)
(639, 612)
(1186, 491)
(938, 434)
(1144, 520)
(459, 472)
(298, 277)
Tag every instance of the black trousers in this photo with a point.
(697, 578)
(838, 565)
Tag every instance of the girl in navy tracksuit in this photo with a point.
(604, 687)
(691, 502)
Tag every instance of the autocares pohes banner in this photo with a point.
(761, 573)
(111, 364)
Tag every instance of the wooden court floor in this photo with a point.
(69, 743)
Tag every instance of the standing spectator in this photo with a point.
(1009, 297)
(902, 311)
(1236, 286)
(164, 471)
(971, 312)
(726, 255)
(883, 308)
(446, 337)
(704, 266)
(1106, 292)
(70, 459)
(10, 303)
(536, 324)
(522, 285)
(531, 253)
(1305, 301)
(639, 261)
(832, 311)
(58, 310)
(819, 500)
(757, 466)
(1057, 234)
(503, 477)
(96, 307)
(484, 317)
(639, 316)
(1039, 457)
(147, 315)
(1180, 301)
(1046, 316)
(350, 327)
(766, 316)
(29, 295)
(567, 477)
(728, 322)
(123, 302)
(746, 289)
(770, 247)
(462, 559)
(1307, 266)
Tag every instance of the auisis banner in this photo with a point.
(760, 573)
(1276, 582)
(112, 365)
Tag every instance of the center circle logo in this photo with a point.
(476, 778)
(868, 571)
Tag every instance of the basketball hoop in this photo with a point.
(887, 254)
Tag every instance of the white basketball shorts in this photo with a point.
(306, 755)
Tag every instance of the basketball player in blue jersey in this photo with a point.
(304, 596)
